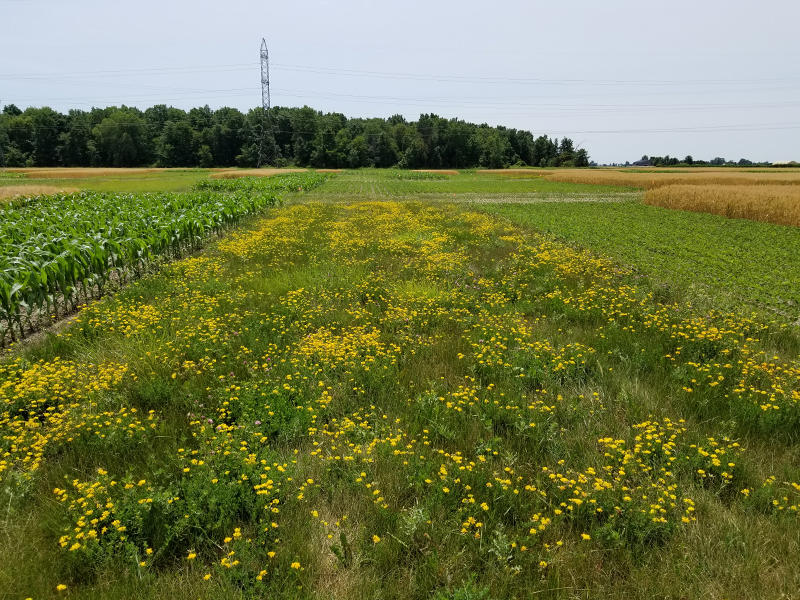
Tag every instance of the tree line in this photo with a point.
(688, 161)
(201, 137)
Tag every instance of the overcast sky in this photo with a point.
(622, 79)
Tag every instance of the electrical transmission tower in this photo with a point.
(266, 147)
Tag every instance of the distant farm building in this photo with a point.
(641, 163)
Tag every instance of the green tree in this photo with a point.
(494, 151)
(75, 147)
(122, 140)
(304, 125)
(581, 158)
(386, 153)
(11, 110)
(358, 154)
(227, 136)
(19, 131)
(175, 146)
(204, 157)
(46, 129)
(341, 151)
(544, 149)
(416, 153)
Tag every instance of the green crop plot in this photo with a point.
(391, 183)
(61, 248)
(725, 263)
(294, 182)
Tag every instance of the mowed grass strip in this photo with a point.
(778, 204)
(404, 400)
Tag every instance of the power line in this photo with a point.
(243, 92)
(391, 74)
(514, 80)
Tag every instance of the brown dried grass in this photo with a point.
(11, 191)
(779, 204)
(254, 173)
(649, 180)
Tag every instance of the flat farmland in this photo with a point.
(715, 261)
(104, 180)
(466, 185)
(417, 385)
(658, 177)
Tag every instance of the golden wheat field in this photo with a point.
(778, 204)
(654, 179)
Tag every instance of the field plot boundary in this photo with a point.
(399, 398)
(234, 174)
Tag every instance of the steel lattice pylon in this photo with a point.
(265, 146)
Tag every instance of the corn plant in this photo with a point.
(56, 251)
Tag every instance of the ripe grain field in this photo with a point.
(654, 178)
(779, 204)
(380, 389)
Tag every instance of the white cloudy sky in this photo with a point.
(704, 77)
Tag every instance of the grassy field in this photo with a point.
(109, 180)
(466, 185)
(384, 390)
(732, 264)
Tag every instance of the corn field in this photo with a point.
(60, 250)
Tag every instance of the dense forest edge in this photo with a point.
(163, 136)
